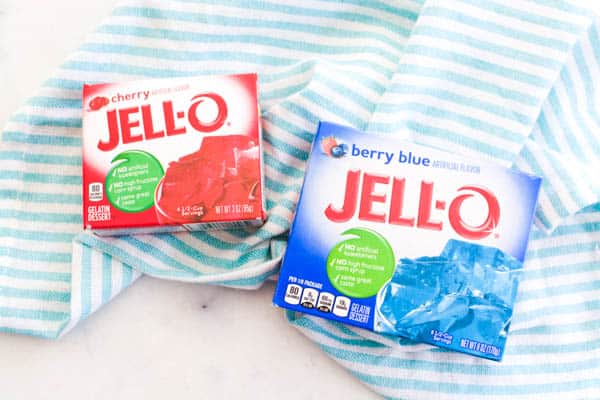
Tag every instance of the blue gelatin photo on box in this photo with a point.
(408, 240)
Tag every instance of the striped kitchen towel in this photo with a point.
(516, 84)
(513, 83)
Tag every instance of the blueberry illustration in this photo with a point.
(339, 150)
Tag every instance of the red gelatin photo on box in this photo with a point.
(172, 154)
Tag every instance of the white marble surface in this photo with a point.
(158, 340)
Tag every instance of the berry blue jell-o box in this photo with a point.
(407, 240)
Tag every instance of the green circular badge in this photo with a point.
(361, 265)
(131, 182)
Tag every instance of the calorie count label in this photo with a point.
(292, 294)
(95, 192)
(311, 299)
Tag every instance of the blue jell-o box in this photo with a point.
(407, 240)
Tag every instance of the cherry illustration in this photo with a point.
(98, 102)
(327, 144)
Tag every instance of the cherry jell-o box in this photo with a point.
(172, 154)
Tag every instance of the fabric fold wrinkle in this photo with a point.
(510, 83)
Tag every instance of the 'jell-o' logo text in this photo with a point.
(408, 240)
(361, 195)
(123, 122)
(172, 154)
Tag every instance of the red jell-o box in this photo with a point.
(167, 155)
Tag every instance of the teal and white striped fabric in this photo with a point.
(514, 82)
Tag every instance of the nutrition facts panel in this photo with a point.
(323, 301)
